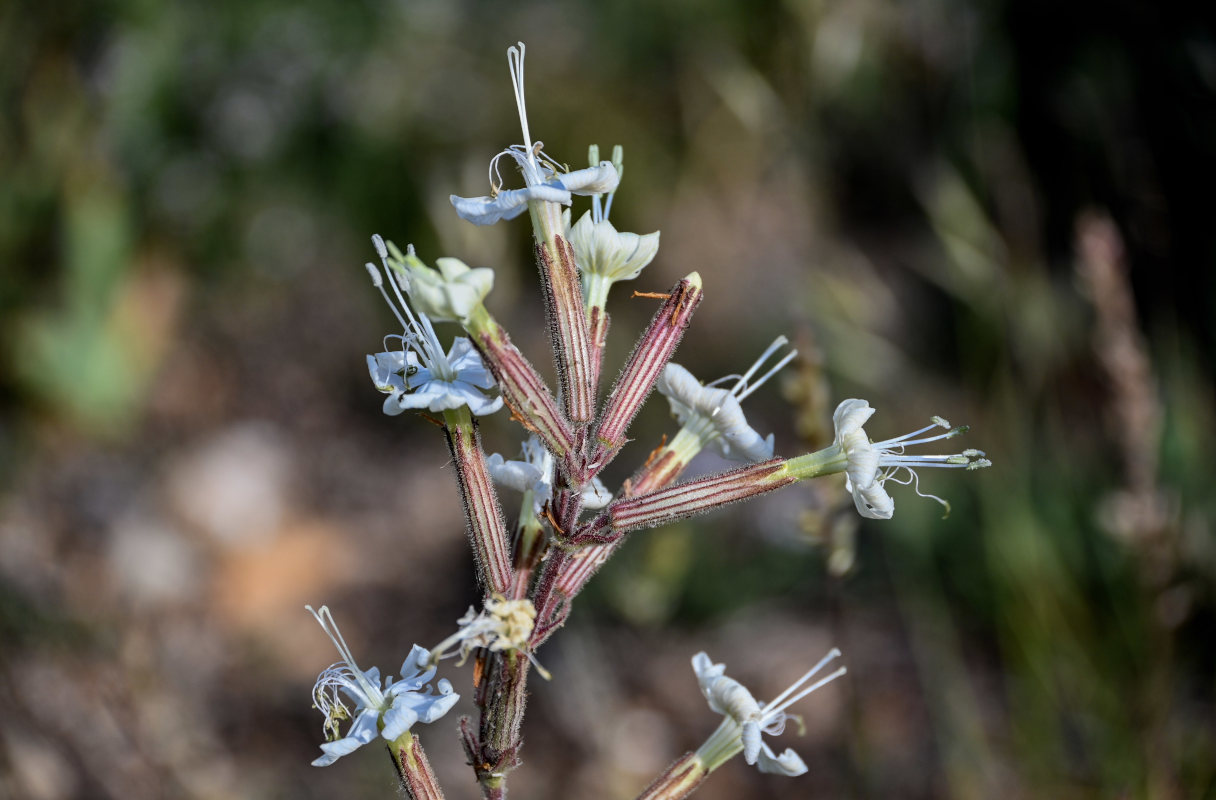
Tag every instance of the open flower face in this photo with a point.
(871, 464)
(545, 180)
(389, 710)
(746, 719)
(421, 375)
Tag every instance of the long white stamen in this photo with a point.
(807, 690)
(775, 703)
(790, 356)
(378, 282)
(759, 362)
(326, 620)
(515, 62)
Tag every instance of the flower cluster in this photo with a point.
(569, 522)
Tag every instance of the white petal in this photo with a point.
(599, 179)
(485, 406)
(874, 502)
(738, 441)
(751, 741)
(862, 467)
(596, 495)
(680, 388)
(849, 416)
(518, 475)
(706, 671)
(788, 763)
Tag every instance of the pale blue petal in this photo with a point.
(392, 404)
(398, 720)
(506, 204)
(415, 666)
(361, 732)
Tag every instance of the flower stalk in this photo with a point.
(413, 768)
(679, 780)
(483, 514)
(684, 500)
(523, 389)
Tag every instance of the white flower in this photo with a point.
(389, 711)
(871, 464)
(544, 179)
(746, 718)
(601, 250)
(502, 625)
(421, 374)
(449, 293)
(535, 474)
(713, 416)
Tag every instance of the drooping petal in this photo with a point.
(788, 763)
(601, 250)
(737, 440)
(362, 731)
(438, 704)
(873, 502)
(386, 371)
(447, 294)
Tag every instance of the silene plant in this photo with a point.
(569, 523)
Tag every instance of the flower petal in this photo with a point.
(600, 179)
(873, 502)
(506, 204)
(596, 495)
(415, 668)
(518, 475)
(398, 719)
(788, 763)
(361, 732)
(849, 416)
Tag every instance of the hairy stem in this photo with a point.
(523, 389)
(417, 778)
(483, 514)
(679, 780)
(637, 379)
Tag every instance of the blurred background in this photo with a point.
(999, 212)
